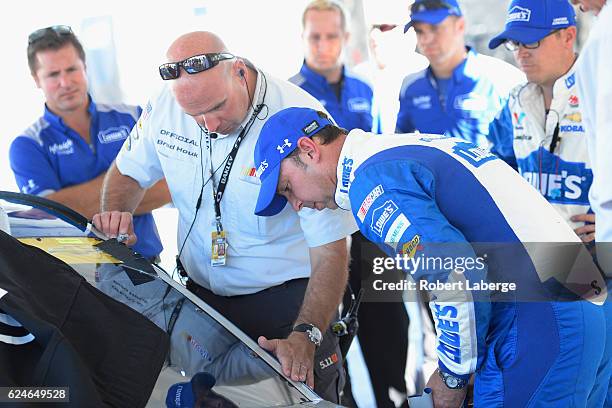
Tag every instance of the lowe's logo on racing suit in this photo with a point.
(381, 216)
(476, 156)
(347, 167)
(568, 184)
(449, 340)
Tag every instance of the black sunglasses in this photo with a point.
(383, 27)
(192, 65)
(429, 5)
(512, 45)
(58, 30)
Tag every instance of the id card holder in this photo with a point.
(219, 248)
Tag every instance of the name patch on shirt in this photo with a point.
(359, 105)
(422, 102)
(114, 134)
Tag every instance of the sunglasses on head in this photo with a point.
(57, 30)
(192, 65)
(383, 27)
(430, 5)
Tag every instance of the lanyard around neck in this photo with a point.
(229, 162)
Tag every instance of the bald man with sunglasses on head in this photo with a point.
(279, 280)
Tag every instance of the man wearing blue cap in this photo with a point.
(547, 139)
(461, 91)
(403, 192)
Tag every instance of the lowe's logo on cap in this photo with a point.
(517, 13)
(529, 21)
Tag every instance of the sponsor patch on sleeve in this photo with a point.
(397, 229)
(368, 201)
(381, 216)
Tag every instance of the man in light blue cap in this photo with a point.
(460, 91)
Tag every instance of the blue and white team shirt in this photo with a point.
(50, 156)
(354, 109)
(563, 176)
(477, 90)
(407, 190)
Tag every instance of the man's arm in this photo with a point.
(85, 197)
(119, 199)
(323, 294)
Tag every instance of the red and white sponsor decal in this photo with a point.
(367, 202)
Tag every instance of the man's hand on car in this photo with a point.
(296, 355)
(115, 224)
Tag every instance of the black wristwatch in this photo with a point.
(314, 334)
(452, 382)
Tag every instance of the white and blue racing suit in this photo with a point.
(549, 148)
(430, 195)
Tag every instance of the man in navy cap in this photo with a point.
(461, 91)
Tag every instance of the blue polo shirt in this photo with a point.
(476, 91)
(50, 156)
(353, 110)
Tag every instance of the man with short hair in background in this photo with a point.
(349, 100)
(324, 75)
(461, 91)
(65, 154)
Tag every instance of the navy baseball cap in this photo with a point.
(277, 139)
(528, 21)
(432, 11)
(183, 395)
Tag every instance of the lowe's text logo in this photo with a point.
(449, 341)
(382, 215)
(347, 167)
(517, 13)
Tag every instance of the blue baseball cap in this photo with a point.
(183, 395)
(277, 139)
(529, 21)
(432, 11)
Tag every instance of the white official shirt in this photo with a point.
(595, 83)
(262, 251)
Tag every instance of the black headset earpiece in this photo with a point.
(241, 72)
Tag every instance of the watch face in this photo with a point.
(451, 382)
(315, 335)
